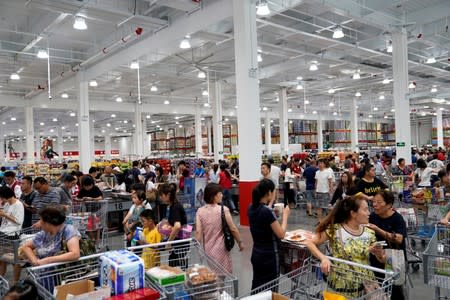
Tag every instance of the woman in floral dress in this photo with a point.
(209, 226)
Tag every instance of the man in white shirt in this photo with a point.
(324, 187)
(13, 183)
(435, 164)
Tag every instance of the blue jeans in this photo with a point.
(227, 201)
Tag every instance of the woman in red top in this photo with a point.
(226, 183)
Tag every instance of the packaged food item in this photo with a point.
(442, 266)
(122, 271)
(198, 275)
(165, 275)
(141, 294)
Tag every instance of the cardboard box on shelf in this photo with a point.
(81, 290)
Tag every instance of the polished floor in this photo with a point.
(242, 267)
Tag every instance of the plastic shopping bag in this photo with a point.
(332, 296)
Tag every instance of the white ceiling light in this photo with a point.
(166, 102)
(313, 66)
(299, 78)
(433, 90)
(108, 124)
(423, 114)
(265, 108)
(375, 108)
(338, 33)
(441, 108)
(358, 94)
(3, 123)
(389, 47)
(356, 75)
(20, 130)
(76, 124)
(289, 109)
(335, 113)
(206, 105)
(154, 88)
(147, 116)
(205, 93)
(431, 60)
(185, 43)
(235, 107)
(226, 120)
(262, 8)
(277, 99)
(385, 116)
(42, 54)
(306, 101)
(331, 91)
(299, 86)
(201, 75)
(119, 99)
(113, 115)
(180, 126)
(393, 110)
(14, 76)
(177, 123)
(55, 120)
(42, 123)
(52, 130)
(331, 104)
(370, 116)
(259, 57)
(64, 95)
(72, 114)
(134, 65)
(93, 83)
(62, 127)
(386, 81)
(13, 118)
(314, 112)
(381, 97)
(79, 23)
(103, 130)
(125, 121)
(412, 85)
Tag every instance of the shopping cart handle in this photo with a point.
(390, 273)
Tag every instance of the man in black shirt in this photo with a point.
(369, 185)
(27, 197)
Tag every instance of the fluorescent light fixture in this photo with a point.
(20, 130)
(265, 108)
(386, 81)
(166, 102)
(331, 91)
(262, 8)
(313, 67)
(314, 112)
(338, 33)
(79, 23)
(370, 116)
(289, 109)
(185, 43)
(389, 50)
(358, 94)
(235, 107)
(119, 99)
(55, 120)
(72, 114)
(306, 101)
(147, 116)
(42, 54)
(385, 116)
(154, 88)
(393, 110)
(180, 126)
(76, 124)
(103, 130)
(93, 83)
(431, 60)
(259, 57)
(201, 75)
(206, 105)
(335, 113)
(375, 108)
(108, 124)
(62, 127)
(42, 123)
(113, 115)
(205, 93)
(423, 114)
(277, 99)
(356, 75)
(64, 95)
(13, 118)
(3, 123)
(411, 85)
(433, 90)
(381, 97)
(299, 86)
(226, 120)
(299, 78)
(52, 130)
(134, 65)
(14, 76)
(331, 104)
(125, 121)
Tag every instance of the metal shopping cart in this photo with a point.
(90, 218)
(188, 254)
(292, 256)
(9, 245)
(348, 279)
(4, 286)
(436, 260)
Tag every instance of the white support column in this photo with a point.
(107, 146)
(60, 148)
(319, 133)
(354, 126)
(208, 130)
(418, 143)
(216, 92)
(284, 129)
(29, 134)
(145, 137)
(267, 135)
(138, 140)
(247, 95)
(92, 140)
(401, 103)
(2, 147)
(198, 131)
(38, 146)
(84, 133)
(439, 128)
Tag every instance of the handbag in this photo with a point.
(228, 237)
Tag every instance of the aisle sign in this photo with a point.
(400, 144)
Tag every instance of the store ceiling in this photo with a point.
(295, 34)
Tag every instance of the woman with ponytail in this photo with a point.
(266, 233)
(176, 216)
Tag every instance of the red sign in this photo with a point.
(102, 152)
(115, 152)
(71, 153)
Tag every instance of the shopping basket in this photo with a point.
(189, 253)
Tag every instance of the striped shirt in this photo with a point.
(54, 196)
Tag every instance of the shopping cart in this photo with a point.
(52, 275)
(292, 256)
(9, 245)
(436, 260)
(188, 254)
(4, 286)
(90, 218)
(348, 279)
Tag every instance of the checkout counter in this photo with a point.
(118, 205)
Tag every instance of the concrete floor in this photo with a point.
(242, 267)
